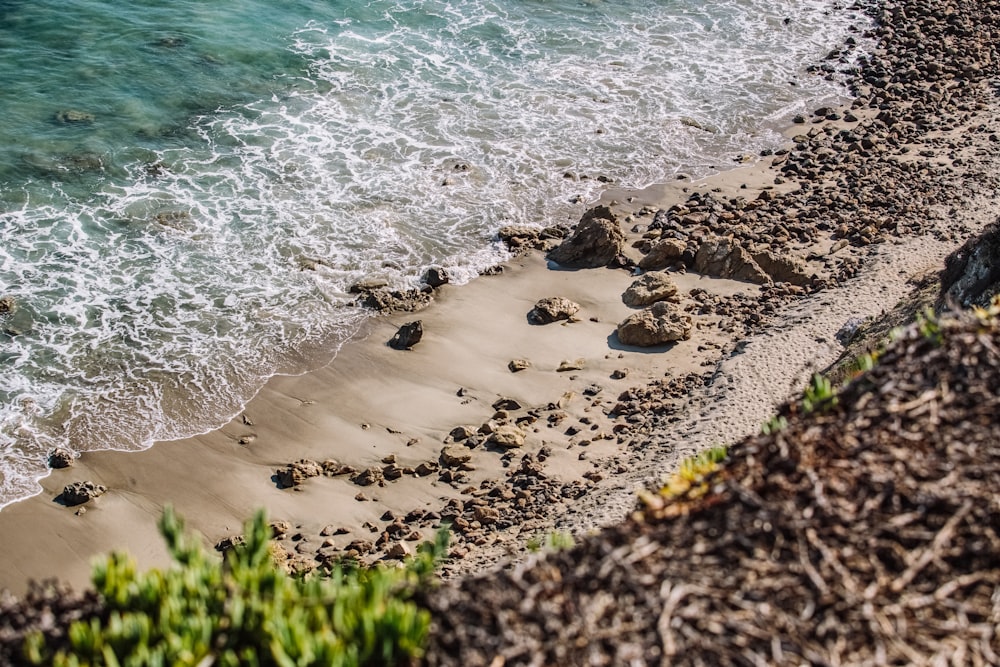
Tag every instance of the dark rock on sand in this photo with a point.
(408, 335)
(296, 473)
(369, 476)
(436, 276)
(661, 323)
(60, 457)
(597, 241)
(78, 493)
(650, 288)
(552, 309)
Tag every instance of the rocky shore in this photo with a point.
(540, 398)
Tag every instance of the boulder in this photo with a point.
(971, 276)
(8, 305)
(455, 457)
(507, 436)
(78, 493)
(650, 288)
(784, 268)
(436, 276)
(408, 335)
(520, 238)
(60, 457)
(724, 258)
(662, 255)
(661, 323)
(508, 404)
(597, 241)
(552, 309)
(298, 472)
(460, 433)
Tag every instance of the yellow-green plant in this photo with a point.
(244, 610)
(552, 541)
(819, 395)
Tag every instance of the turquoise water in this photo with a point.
(188, 189)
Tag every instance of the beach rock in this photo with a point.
(784, 268)
(368, 477)
(455, 457)
(460, 433)
(395, 301)
(661, 323)
(60, 457)
(231, 542)
(368, 285)
(724, 258)
(436, 276)
(518, 365)
(552, 309)
(426, 468)
(972, 273)
(78, 493)
(519, 238)
(597, 241)
(399, 551)
(650, 288)
(571, 365)
(508, 404)
(8, 305)
(392, 472)
(298, 472)
(662, 254)
(507, 436)
(408, 335)
(279, 529)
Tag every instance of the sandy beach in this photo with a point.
(614, 418)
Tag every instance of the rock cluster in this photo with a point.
(597, 241)
(78, 493)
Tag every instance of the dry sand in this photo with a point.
(373, 402)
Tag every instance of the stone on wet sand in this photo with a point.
(407, 336)
(597, 241)
(60, 457)
(78, 493)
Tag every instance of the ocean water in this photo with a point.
(188, 189)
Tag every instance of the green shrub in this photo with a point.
(243, 610)
(819, 395)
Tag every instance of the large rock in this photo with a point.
(78, 493)
(455, 457)
(784, 268)
(663, 254)
(408, 335)
(507, 436)
(597, 241)
(60, 457)
(661, 323)
(296, 473)
(650, 288)
(971, 276)
(724, 258)
(552, 309)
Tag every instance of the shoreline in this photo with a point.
(471, 333)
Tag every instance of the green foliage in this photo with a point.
(775, 424)
(552, 541)
(246, 611)
(930, 326)
(819, 395)
(691, 479)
